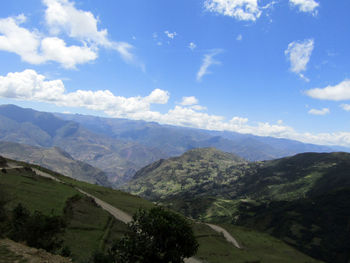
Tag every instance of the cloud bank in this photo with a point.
(31, 86)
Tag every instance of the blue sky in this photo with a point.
(272, 68)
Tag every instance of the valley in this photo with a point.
(285, 205)
(86, 219)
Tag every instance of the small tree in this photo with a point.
(4, 200)
(37, 230)
(156, 236)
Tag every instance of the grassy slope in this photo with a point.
(89, 227)
(197, 167)
(92, 228)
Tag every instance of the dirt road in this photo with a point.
(226, 234)
(117, 213)
(125, 218)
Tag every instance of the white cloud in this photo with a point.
(239, 37)
(208, 60)
(299, 53)
(345, 107)
(323, 111)
(246, 10)
(187, 101)
(35, 49)
(61, 16)
(55, 49)
(170, 35)
(192, 46)
(336, 93)
(158, 96)
(31, 86)
(307, 6)
(21, 41)
(198, 107)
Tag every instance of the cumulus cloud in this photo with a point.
(208, 60)
(345, 107)
(31, 86)
(35, 49)
(307, 6)
(239, 37)
(186, 101)
(299, 53)
(246, 10)
(192, 46)
(61, 17)
(170, 35)
(338, 92)
(323, 111)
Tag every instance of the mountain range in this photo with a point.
(120, 147)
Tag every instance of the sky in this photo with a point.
(276, 68)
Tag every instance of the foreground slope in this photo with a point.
(91, 228)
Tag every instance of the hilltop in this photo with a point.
(191, 170)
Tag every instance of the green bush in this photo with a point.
(156, 236)
(37, 230)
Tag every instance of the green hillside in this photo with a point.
(194, 169)
(90, 228)
(302, 193)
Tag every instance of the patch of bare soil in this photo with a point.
(12, 252)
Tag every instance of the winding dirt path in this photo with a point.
(117, 213)
(126, 218)
(226, 234)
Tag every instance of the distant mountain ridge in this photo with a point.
(174, 140)
(120, 147)
(118, 158)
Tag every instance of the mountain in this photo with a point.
(194, 169)
(302, 199)
(54, 159)
(120, 147)
(174, 141)
(118, 158)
